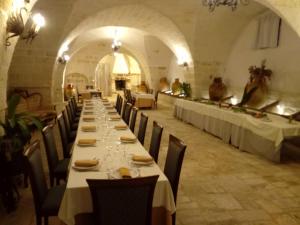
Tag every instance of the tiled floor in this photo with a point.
(219, 184)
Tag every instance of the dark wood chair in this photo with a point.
(72, 120)
(66, 143)
(133, 118)
(156, 99)
(123, 109)
(290, 148)
(173, 165)
(58, 169)
(46, 201)
(142, 128)
(117, 102)
(155, 140)
(75, 115)
(126, 116)
(119, 110)
(121, 201)
(71, 132)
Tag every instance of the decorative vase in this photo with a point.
(217, 89)
(176, 87)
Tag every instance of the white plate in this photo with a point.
(116, 175)
(84, 168)
(142, 163)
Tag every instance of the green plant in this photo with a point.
(186, 89)
(18, 126)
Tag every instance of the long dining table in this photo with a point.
(112, 154)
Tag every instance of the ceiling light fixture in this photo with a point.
(15, 23)
(116, 45)
(212, 4)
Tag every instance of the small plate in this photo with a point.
(116, 175)
(85, 168)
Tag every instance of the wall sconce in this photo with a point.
(15, 23)
(183, 64)
(63, 59)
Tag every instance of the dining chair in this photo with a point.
(58, 169)
(72, 120)
(290, 147)
(120, 105)
(156, 99)
(155, 140)
(142, 128)
(117, 102)
(66, 143)
(121, 201)
(133, 118)
(174, 159)
(74, 115)
(71, 133)
(124, 107)
(127, 113)
(46, 200)
(77, 108)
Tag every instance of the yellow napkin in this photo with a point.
(86, 162)
(88, 119)
(127, 139)
(87, 101)
(142, 158)
(124, 172)
(88, 128)
(104, 100)
(109, 107)
(87, 142)
(89, 104)
(106, 103)
(111, 112)
(120, 127)
(88, 113)
(115, 118)
(88, 108)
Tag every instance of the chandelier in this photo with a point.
(116, 44)
(212, 4)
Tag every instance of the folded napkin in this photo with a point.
(120, 127)
(89, 104)
(124, 172)
(106, 103)
(88, 128)
(88, 113)
(115, 118)
(86, 162)
(87, 101)
(127, 139)
(109, 107)
(142, 158)
(88, 108)
(112, 112)
(88, 119)
(87, 142)
(104, 100)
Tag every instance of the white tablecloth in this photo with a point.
(112, 155)
(242, 130)
(143, 95)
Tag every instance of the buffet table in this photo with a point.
(143, 100)
(259, 136)
(112, 154)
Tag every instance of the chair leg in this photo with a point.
(57, 180)
(38, 220)
(173, 218)
(46, 222)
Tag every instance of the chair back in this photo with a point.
(37, 177)
(50, 146)
(66, 120)
(142, 128)
(155, 140)
(63, 135)
(123, 201)
(127, 113)
(173, 163)
(120, 105)
(69, 112)
(133, 118)
(156, 95)
(123, 109)
(117, 102)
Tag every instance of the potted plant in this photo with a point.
(17, 128)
